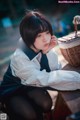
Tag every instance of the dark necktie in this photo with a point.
(44, 63)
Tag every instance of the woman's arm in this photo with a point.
(53, 61)
(30, 73)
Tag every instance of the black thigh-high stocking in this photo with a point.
(41, 98)
(20, 108)
(29, 104)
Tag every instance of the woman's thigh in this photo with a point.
(41, 97)
(20, 108)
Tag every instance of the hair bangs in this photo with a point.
(43, 26)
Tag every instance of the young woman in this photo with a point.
(33, 67)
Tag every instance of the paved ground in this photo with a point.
(8, 43)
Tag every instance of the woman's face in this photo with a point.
(42, 40)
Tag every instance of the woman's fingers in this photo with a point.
(52, 44)
(54, 38)
(53, 41)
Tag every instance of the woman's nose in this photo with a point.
(46, 39)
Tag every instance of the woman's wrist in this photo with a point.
(52, 44)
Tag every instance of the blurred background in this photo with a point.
(11, 12)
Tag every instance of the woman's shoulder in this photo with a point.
(19, 54)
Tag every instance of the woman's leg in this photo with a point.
(20, 108)
(29, 103)
(41, 98)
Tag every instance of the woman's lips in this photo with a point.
(46, 44)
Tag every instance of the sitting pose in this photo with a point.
(33, 68)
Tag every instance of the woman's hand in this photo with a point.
(53, 43)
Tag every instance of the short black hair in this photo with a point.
(33, 23)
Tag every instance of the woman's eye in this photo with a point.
(38, 35)
(47, 32)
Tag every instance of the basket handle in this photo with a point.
(76, 21)
(75, 28)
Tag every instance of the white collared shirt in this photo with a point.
(29, 72)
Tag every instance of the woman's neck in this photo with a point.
(34, 49)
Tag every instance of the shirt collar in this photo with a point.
(28, 51)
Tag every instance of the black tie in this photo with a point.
(44, 63)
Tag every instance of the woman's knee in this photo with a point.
(47, 105)
(44, 101)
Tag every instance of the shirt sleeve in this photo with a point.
(30, 73)
(53, 61)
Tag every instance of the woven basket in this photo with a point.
(70, 48)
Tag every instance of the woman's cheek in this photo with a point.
(48, 39)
